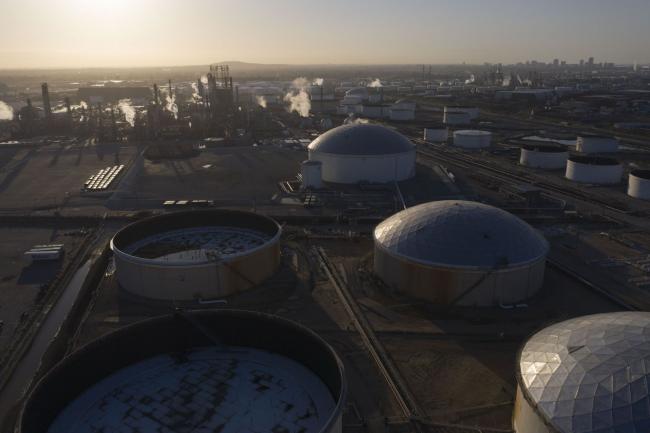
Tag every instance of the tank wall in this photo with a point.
(547, 160)
(472, 112)
(597, 174)
(441, 285)
(524, 417)
(206, 281)
(638, 187)
(456, 118)
(354, 169)
(402, 114)
(596, 145)
(312, 176)
(436, 135)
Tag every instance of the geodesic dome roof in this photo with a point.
(361, 139)
(591, 374)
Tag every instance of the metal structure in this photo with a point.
(224, 370)
(196, 255)
(549, 157)
(436, 134)
(312, 174)
(596, 144)
(639, 184)
(363, 153)
(588, 374)
(460, 253)
(593, 169)
(472, 139)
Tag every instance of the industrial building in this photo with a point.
(594, 169)
(548, 157)
(472, 139)
(363, 153)
(460, 253)
(196, 255)
(436, 133)
(588, 374)
(204, 371)
(639, 184)
(588, 143)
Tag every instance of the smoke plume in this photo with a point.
(352, 119)
(127, 109)
(261, 101)
(6, 112)
(375, 83)
(171, 106)
(318, 81)
(298, 98)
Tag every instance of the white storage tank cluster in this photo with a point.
(586, 375)
(456, 118)
(639, 184)
(593, 169)
(312, 174)
(472, 139)
(436, 133)
(460, 253)
(363, 153)
(596, 144)
(549, 157)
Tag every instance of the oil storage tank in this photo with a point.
(461, 253)
(586, 375)
(207, 371)
(594, 169)
(363, 153)
(194, 255)
(312, 174)
(639, 184)
(456, 118)
(436, 133)
(472, 139)
(548, 157)
(472, 112)
(589, 143)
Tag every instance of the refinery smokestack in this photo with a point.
(156, 97)
(47, 108)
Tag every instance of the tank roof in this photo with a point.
(593, 160)
(643, 174)
(455, 233)
(361, 139)
(548, 148)
(590, 374)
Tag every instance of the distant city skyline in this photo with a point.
(142, 33)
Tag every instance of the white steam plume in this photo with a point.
(204, 79)
(298, 98)
(83, 105)
(318, 81)
(375, 83)
(171, 105)
(352, 119)
(127, 109)
(196, 97)
(6, 112)
(261, 101)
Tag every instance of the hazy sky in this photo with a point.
(73, 33)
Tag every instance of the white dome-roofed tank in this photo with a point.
(364, 153)
(549, 157)
(460, 252)
(312, 176)
(586, 375)
(472, 139)
(639, 184)
(456, 118)
(588, 143)
(593, 169)
(473, 112)
(436, 133)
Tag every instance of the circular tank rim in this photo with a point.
(643, 174)
(542, 148)
(442, 266)
(87, 350)
(116, 247)
(311, 162)
(599, 136)
(597, 161)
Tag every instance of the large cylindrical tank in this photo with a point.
(473, 112)
(544, 156)
(312, 174)
(472, 139)
(592, 169)
(596, 144)
(587, 374)
(201, 371)
(195, 255)
(363, 153)
(436, 134)
(460, 253)
(639, 184)
(456, 118)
